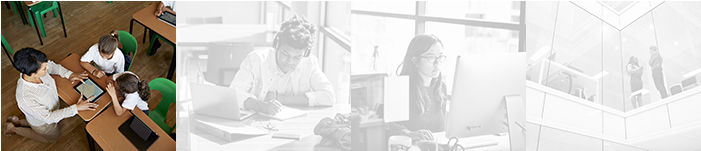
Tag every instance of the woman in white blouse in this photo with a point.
(37, 97)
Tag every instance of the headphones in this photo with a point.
(276, 43)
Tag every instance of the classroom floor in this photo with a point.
(86, 22)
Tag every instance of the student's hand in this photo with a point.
(159, 9)
(270, 107)
(84, 105)
(270, 96)
(111, 90)
(265, 107)
(99, 73)
(78, 77)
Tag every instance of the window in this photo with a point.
(388, 36)
(334, 40)
(496, 11)
(382, 34)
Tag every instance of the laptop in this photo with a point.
(217, 101)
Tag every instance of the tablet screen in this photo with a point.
(168, 17)
(89, 88)
(140, 128)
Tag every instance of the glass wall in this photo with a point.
(579, 54)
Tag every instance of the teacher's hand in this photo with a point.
(84, 105)
(78, 77)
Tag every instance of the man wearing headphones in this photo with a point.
(287, 74)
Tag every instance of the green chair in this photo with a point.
(153, 38)
(16, 6)
(158, 115)
(8, 50)
(39, 10)
(129, 45)
(12, 5)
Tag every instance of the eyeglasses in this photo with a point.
(453, 144)
(434, 59)
(269, 126)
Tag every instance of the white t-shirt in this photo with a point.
(133, 99)
(169, 3)
(116, 64)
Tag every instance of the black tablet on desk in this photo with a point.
(89, 88)
(167, 17)
(138, 133)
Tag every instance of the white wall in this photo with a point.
(239, 12)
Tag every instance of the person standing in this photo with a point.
(656, 68)
(635, 71)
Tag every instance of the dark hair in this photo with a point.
(28, 60)
(633, 60)
(419, 45)
(108, 43)
(129, 83)
(297, 33)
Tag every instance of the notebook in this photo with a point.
(286, 113)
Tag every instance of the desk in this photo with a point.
(502, 146)
(36, 25)
(70, 96)
(105, 130)
(200, 140)
(146, 18)
(213, 33)
(373, 134)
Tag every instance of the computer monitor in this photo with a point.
(477, 105)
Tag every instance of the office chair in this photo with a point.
(675, 89)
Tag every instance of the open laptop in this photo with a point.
(217, 101)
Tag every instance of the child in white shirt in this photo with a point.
(131, 90)
(104, 56)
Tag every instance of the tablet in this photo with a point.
(89, 88)
(138, 133)
(167, 17)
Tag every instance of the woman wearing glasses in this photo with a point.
(427, 91)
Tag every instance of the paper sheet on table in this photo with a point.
(228, 126)
(396, 99)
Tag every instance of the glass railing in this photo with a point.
(552, 139)
(575, 52)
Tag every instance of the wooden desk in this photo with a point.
(200, 140)
(213, 33)
(70, 96)
(36, 27)
(146, 18)
(30, 3)
(105, 130)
